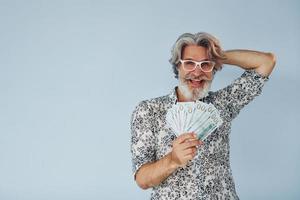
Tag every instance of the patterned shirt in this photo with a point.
(208, 175)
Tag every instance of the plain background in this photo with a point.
(71, 73)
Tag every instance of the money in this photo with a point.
(198, 117)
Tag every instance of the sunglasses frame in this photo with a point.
(197, 64)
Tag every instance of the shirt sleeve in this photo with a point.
(242, 91)
(142, 138)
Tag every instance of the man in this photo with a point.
(184, 167)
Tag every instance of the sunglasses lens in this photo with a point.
(189, 65)
(207, 66)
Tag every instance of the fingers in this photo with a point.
(191, 143)
(185, 148)
(185, 136)
(189, 151)
(189, 156)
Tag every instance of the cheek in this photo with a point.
(209, 75)
(181, 72)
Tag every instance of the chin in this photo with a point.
(194, 93)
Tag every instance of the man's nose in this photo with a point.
(198, 70)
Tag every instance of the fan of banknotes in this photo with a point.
(198, 117)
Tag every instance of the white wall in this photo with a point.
(71, 73)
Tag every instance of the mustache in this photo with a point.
(195, 78)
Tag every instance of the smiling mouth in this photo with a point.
(195, 83)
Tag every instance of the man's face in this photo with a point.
(194, 84)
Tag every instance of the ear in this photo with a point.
(177, 66)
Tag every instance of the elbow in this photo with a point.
(143, 186)
(141, 182)
(267, 66)
(272, 59)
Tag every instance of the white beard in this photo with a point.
(195, 94)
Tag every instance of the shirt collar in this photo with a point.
(173, 96)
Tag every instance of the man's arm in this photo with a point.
(184, 149)
(151, 174)
(263, 63)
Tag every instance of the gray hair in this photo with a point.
(203, 39)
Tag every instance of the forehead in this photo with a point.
(194, 52)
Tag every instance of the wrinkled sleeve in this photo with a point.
(242, 91)
(142, 138)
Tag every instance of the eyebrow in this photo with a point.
(205, 59)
